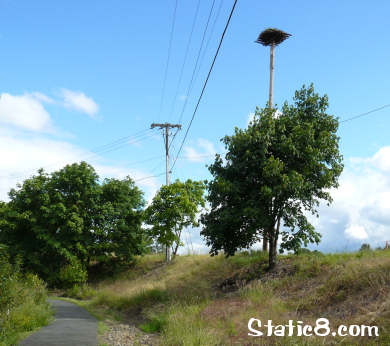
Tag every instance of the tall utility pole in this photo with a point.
(271, 37)
(165, 127)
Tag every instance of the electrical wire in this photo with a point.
(210, 35)
(104, 149)
(120, 140)
(205, 83)
(149, 177)
(363, 114)
(196, 64)
(185, 58)
(168, 58)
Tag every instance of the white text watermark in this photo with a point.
(297, 328)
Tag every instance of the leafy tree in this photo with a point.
(274, 171)
(122, 210)
(173, 208)
(57, 223)
(365, 247)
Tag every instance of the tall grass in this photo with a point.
(23, 305)
(184, 303)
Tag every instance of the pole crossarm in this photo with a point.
(165, 125)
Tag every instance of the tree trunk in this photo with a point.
(265, 244)
(272, 252)
(178, 234)
(174, 251)
(273, 244)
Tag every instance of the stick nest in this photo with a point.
(272, 36)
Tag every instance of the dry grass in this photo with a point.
(184, 301)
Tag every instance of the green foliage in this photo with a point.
(23, 305)
(156, 324)
(173, 208)
(274, 171)
(72, 274)
(365, 247)
(121, 233)
(66, 219)
(80, 292)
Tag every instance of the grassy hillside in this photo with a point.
(203, 300)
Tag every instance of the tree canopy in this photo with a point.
(173, 208)
(274, 172)
(67, 218)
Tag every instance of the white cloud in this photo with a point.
(203, 151)
(356, 232)
(23, 155)
(79, 101)
(25, 112)
(42, 97)
(361, 207)
(381, 159)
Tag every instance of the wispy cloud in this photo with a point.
(77, 100)
(203, 151)
(42, 97)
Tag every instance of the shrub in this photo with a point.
(72, 274)
(365, 247)
(23, 305)
(80, 292)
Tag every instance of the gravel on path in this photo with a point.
(127, 335)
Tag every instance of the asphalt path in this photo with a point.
(73, 326)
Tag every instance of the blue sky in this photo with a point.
(76, 75)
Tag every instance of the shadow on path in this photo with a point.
(73, 326)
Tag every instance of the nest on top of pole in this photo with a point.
(272, 37)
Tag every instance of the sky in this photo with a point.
(78, 75)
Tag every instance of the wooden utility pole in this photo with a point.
(165, 127)
(271, 76)
(271, 37)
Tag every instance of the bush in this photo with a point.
(72, 274)
(80, 292)
(365, 247)
(23, 305)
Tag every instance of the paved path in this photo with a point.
(73, 326)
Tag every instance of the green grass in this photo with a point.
(155, 324)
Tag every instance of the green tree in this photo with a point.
(122, 211)
(365, 247)
(173, 208)
(64, 220)
(274, 171)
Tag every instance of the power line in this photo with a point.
(205, 83)
(365, 113)
(149, 177)
(210, 35)
(169, 56)
(133, 163)
(104, 149)
(196, 64)
(185, 57)
(131, 140)
(120, 140)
